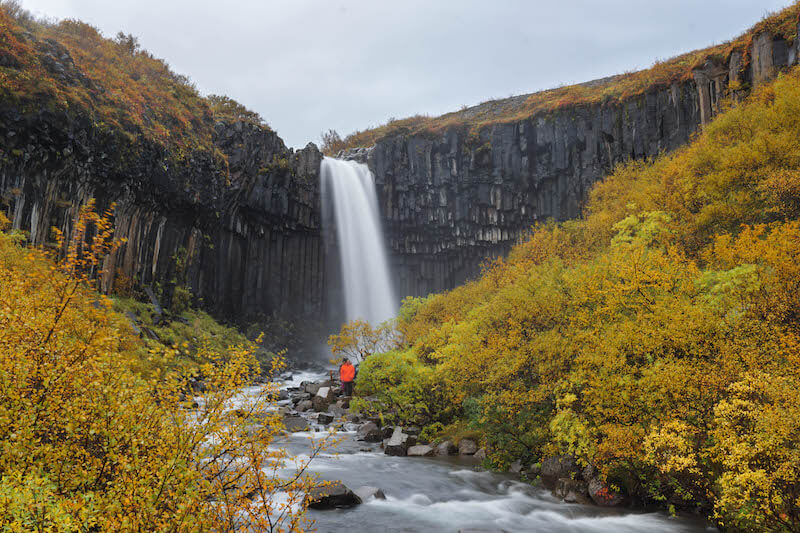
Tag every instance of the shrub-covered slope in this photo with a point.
(657, 339)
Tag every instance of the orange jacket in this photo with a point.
(347, 372)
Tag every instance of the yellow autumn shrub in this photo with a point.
(657, 338)
(88, 444)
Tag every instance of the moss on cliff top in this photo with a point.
(613, 89)
(71, 67)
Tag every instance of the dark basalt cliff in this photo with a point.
(453, 199)
(246, 238)
(247, 242)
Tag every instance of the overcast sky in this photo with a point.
(310, 65)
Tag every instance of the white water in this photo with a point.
(349, 201)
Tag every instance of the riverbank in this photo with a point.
(442, 492)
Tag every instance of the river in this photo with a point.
(452, 494)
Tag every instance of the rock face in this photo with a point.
(244, 235)
(452, 198)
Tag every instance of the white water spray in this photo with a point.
(348, 191)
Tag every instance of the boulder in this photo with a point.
(295, 423)
(601, 494)
(312, 388)
(386, 431)
(480, 455)
(467, 447)
(412, 430)
(572, 491)
(336, 411)
(560, 466)
(446, 448)
(325, 418)
(343, 403)
(300, 396)
(515, 467)
(333, 496)
(369, 432)
(320, 404)
(305, 405)
(355, 418)
(368, 493)
(325, 393)
(422, 450)
(397, 444)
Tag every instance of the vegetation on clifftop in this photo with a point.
(657, 339)
(69, 66)
(614, 89)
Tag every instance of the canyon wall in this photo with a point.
(246, 238)
(452, 199)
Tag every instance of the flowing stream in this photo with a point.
(349, 201)
(452, 494)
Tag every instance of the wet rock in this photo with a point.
(325, 418)
(333, 496)
(283, 395)
(336, 411)
(369, 432)
(572, 491)
(601, 494)
(398, 443)
(369, 493)
(446, 448)
(467, 447)
(560, 466)
(386, 431)
(421, 450)
(319, 404)
(294, 424)
(343, 403)
(305, 405)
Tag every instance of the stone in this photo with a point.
(560, 466)
(515, 467)
(421, 450)
(397, 444)
(294, 424)
(446, 448)
(305, 405)
(386, 431)
(312, 388)
(354, 418)
(467, 447)
(319, 404)
(369, 432)
(336, 411)
(325, 418)
(572, 491)
(325, 393)
(334, 496)
(368, 493)
(602, 495)
(480, 455)
(412, 430)
(343, 403)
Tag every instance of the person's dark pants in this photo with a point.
(347, 388)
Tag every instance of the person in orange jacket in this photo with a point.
(347, 374)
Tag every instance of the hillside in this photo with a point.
(610, 90)
(655, 340)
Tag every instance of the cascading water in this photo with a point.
(350, 203)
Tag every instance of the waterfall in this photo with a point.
(350, 204)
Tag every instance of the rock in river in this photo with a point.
(367, 493)
(369, 432)
(335, 495)
(398, 443)
(421, 450)
(295, 423)
(467, 447)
